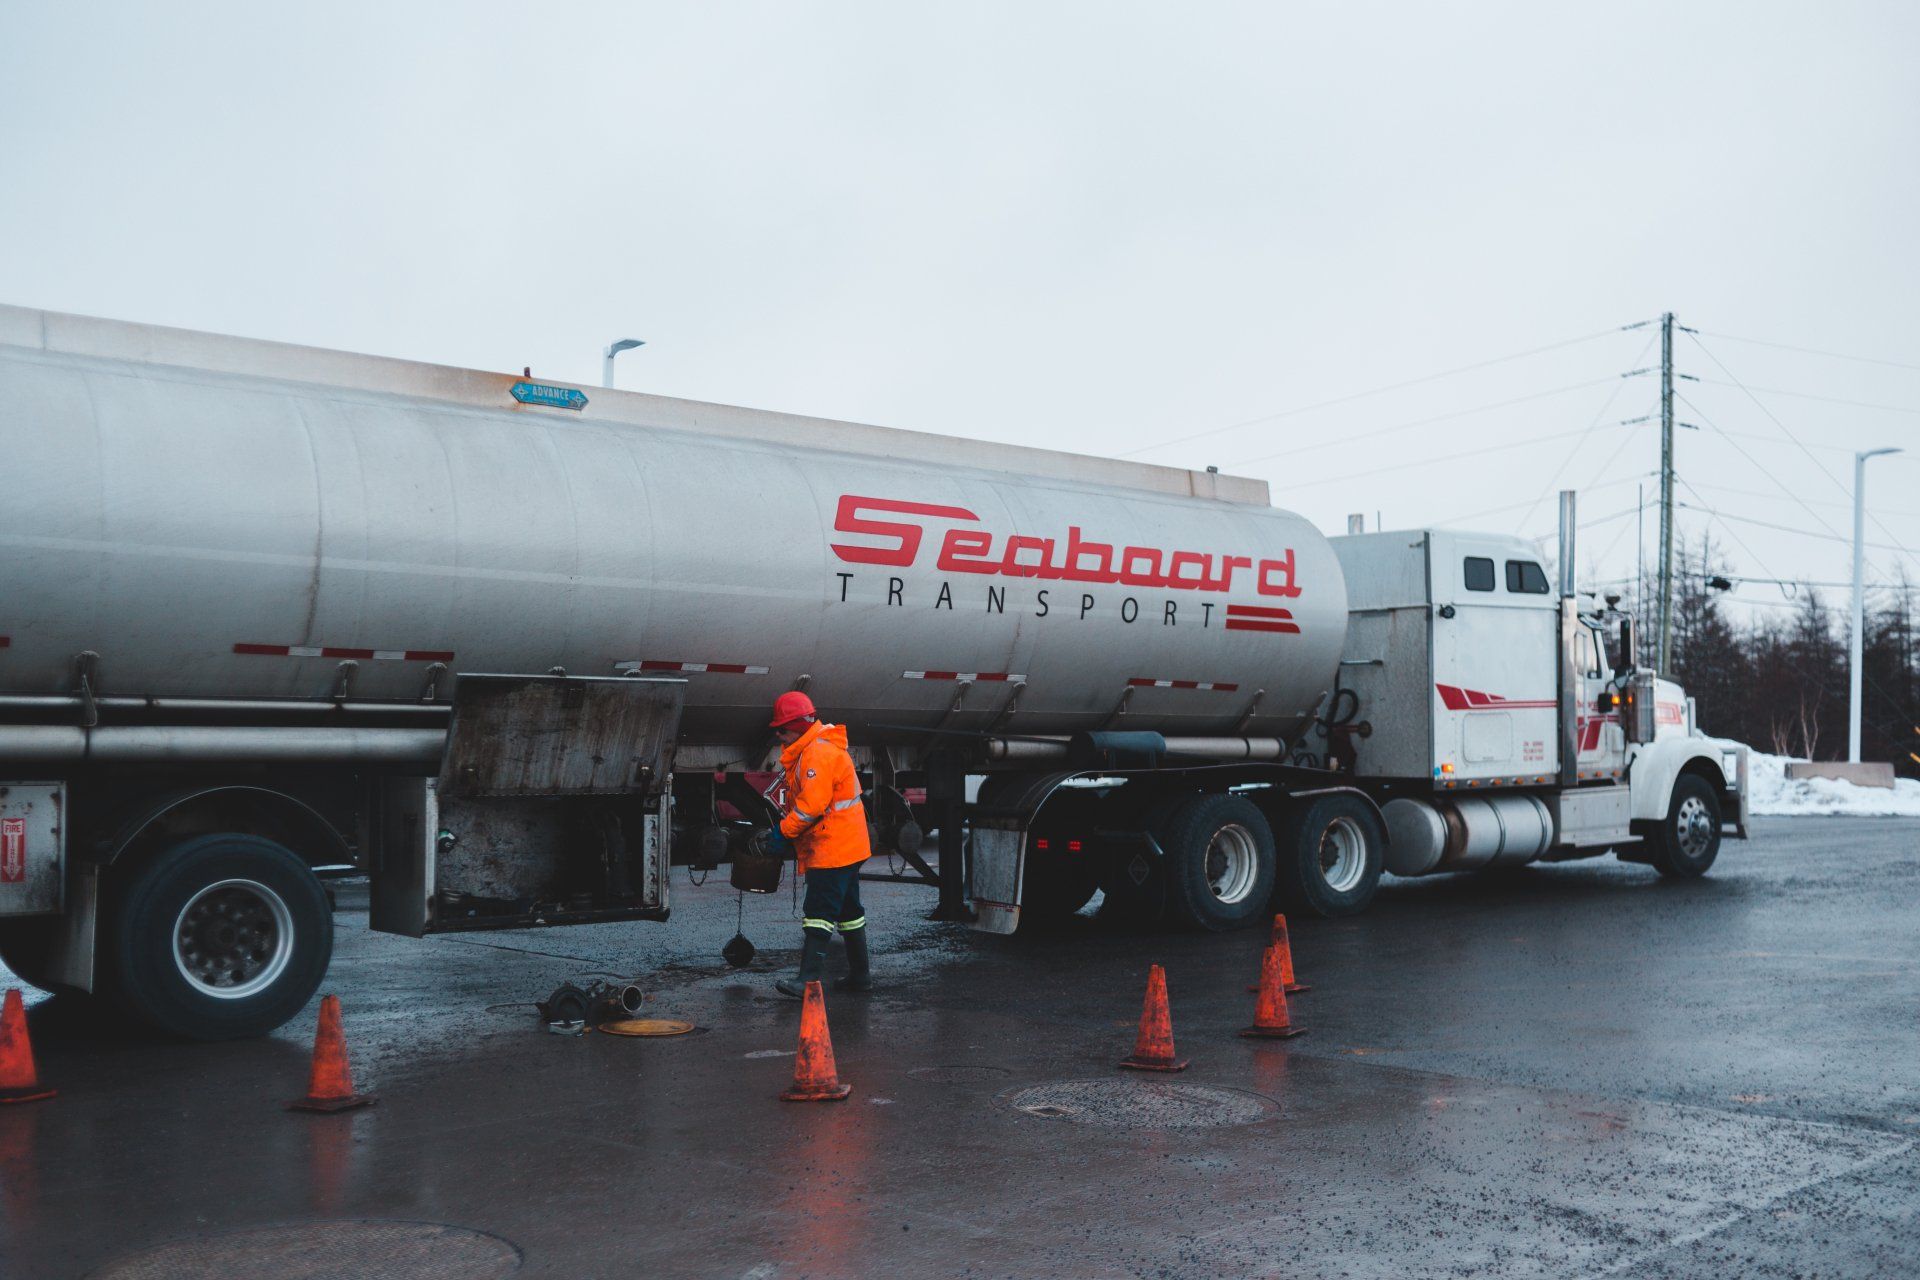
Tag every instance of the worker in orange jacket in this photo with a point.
(828, 827)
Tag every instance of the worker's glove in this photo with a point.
(772, 843)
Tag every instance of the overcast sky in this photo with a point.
(1107, 228)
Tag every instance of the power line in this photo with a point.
(1758, 493)
(1418, 422)
(1783, 528)
(1618, 534)
(1809, 395)
(1831, 531)
(1427, 462)
(1515, 506)
(1361, 395)
(1581, 443)
(1731, 531)
(1812, 351)
(1796, 439)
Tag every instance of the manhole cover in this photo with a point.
(325, 1251)
(1143, 1104)
(646, 1027)
(958, 1074)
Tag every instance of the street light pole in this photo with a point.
(1859, 607)
(614, 349)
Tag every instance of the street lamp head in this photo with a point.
(1874, 453)
(625, 344)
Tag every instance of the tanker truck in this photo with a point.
(506, 646)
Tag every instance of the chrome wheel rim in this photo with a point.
(1343, 855)
(1233, 864)
(1695, 827)
(233, 939)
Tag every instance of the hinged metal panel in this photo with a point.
(33, 848)
(560, 735)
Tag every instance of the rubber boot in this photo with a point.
(813, 963)
(858, 978)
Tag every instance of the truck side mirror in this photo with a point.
(1625, 660)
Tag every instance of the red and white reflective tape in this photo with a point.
(1253, 617)
(1143, 682)
(713, 668)
(973, 676)
(335, 651)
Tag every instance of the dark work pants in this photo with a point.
(832, 900)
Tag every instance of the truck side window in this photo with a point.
(1479, 573)
(1524, 577)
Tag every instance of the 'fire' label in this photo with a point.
(13, 850)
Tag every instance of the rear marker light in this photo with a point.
(1073, 846)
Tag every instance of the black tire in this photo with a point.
(272, 928)
(1320, 838)
(1056, 885)
(1219, 863)
(26, 948)
(1685, 842)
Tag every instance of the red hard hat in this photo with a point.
(792, 706)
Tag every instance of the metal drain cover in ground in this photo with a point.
(327, 1251)
(646, 1027)
(961, 1073)
(1144, 1104)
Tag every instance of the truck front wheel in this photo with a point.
(1331, 852)
(1219, 870)
(220, 937)
(1687, 840)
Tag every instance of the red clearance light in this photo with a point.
(1040, 843)
(1073, 846)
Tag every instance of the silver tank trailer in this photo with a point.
(219, 518)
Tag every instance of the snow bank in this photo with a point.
(1774, 794)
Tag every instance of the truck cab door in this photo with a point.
(1496, 661)
(1599, 732)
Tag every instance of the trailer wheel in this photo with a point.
(1220, 863)
(1687, 840)
(1331, 853)
(221, 937)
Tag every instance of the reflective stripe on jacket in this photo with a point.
(824, 819)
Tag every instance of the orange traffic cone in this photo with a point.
(1279, 939)
(815, 1077)
(330, 1086)
(19, 1082)
(1270, 1019)
(1153, 1047)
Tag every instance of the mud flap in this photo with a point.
(995, 872)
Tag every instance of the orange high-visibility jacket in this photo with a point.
(825, 819)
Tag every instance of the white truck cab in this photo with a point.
(1499, 721)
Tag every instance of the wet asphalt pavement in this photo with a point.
(1570, 1071)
